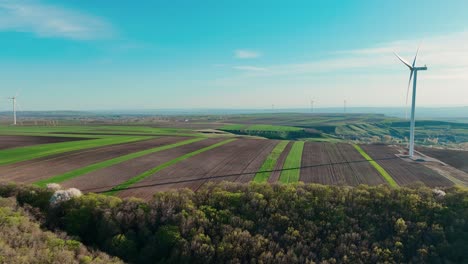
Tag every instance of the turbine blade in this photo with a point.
(414, 61)
(407, 92)
(403, 60)
(19, 108)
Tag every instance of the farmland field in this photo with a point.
(14, 155)
(7, 142)
(227, 162)
(456, 158)
(403, 172)
(42, 168)
(337, 164)
(275, 175)
(271, 162)
(139, 161)
(105, 179)
(292, 164)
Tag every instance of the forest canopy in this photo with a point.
(263, 223)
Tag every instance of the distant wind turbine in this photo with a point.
(15, 105)
(13, 99)
(413, 71)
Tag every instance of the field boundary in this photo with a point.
(293, 160)
(107, 163)
(152, 171)
(379, 168)
(269, 164)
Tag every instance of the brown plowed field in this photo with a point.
(404, 172)
(274, 177)
(43, 168)
(455, 158)
(255, 165)
(105, 179)
(337, 164)
(226, 162)
(7, 142)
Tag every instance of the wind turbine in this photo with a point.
(413, 71)
(13, 99)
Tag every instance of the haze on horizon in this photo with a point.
(83, 54)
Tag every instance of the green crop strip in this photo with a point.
(107, 163)
(291, 168)
(152, 171)
(9, 156)
(270, 162)
(379, 168)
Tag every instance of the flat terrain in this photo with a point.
(141, 160)
(336, 164)
(42, 168)
(105, 179)
(404, 172)
(235, 161)
(7, 142)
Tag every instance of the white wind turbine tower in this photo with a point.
(13, 99)
(413, 71)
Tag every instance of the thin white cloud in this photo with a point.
(444, 55)
(246, 54)
(250, 68)
(46, 20)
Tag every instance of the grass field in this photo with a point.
(233, 127)
(379, 168)
(9, 156)
(152, 171)
(271, 131)
(270, 162)
(292, 161)
(361, 127)
(269, 128)
(107, 163)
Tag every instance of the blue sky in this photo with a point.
(89, 55)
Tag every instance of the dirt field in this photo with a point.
(274, 177)
(404, 172)
(7, 142)
(455, 158)
(43, 168)
(223, 163)
(337, 164)
(105, 179)
(240, 160)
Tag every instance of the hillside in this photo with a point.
(356, 127)
(23, 241)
